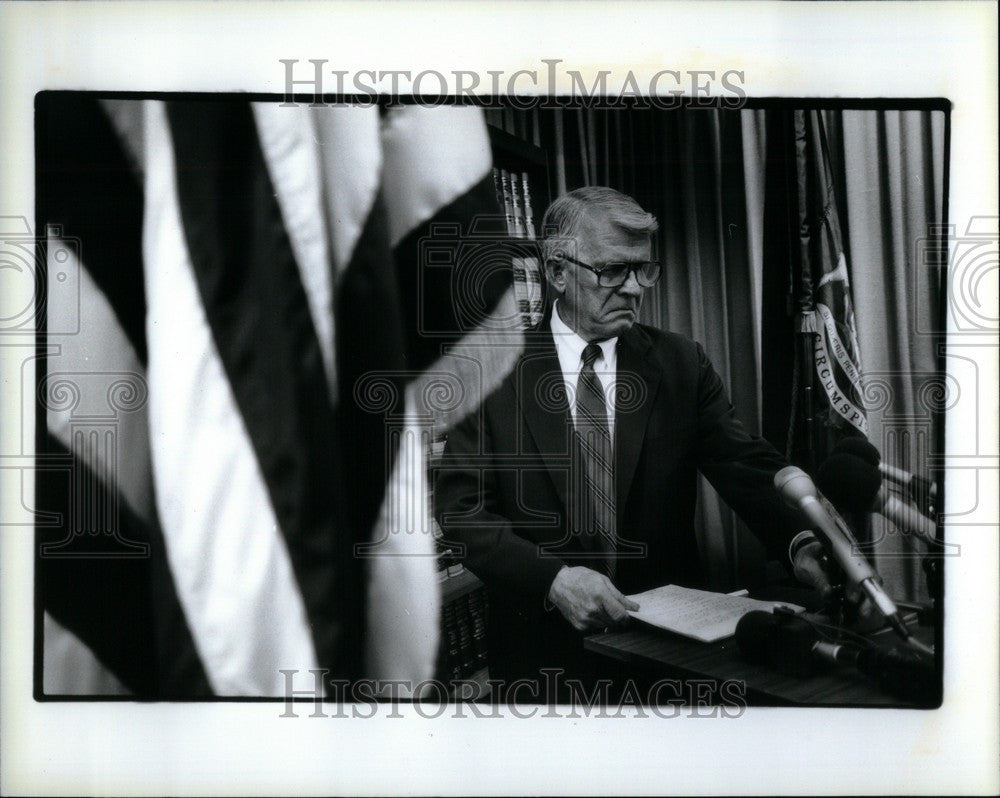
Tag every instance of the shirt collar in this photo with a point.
(564, 335)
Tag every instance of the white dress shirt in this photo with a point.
(569, 348)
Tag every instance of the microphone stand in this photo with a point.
(844, 602)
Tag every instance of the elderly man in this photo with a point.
(575, 483)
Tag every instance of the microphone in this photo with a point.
(783, 642)
(792, 645)
(921, 490)
(855, 485)
(859, 447)
(798, 491)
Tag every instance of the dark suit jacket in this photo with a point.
(501, 488)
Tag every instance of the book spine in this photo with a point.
(517, 200)
(529, 214)
(462, 649)
(521, 293)
(531, 266)
(508, 201)
(452, 645)
(498, 186)
(467, 652)
(477, 610)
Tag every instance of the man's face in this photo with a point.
(597, 313)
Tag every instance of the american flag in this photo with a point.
(239, 387)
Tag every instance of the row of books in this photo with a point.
(463, 637)
(514, 195)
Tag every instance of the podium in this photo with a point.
(654, 654)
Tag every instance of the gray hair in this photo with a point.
(568, 215)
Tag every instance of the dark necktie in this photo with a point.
(597, 460)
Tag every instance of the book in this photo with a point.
(508, 201)
(529, 213)
(698, 614)
(498, 186)
(520, 227)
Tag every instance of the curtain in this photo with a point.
(891, 165)
(703, 173)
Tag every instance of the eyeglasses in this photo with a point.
(613, 275)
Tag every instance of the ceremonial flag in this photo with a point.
(232, 448)
(804, 232)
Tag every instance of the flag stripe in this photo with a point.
(104, 600)
(288, 141)
(127, 119)
(124, 609)
(440, 195)
(350, 151)
(93, 360)
(446, 302)
(69, 667)
(227, 553)
(432, 156)
(404, 600)
(474, 367)
(367, 291)
(87, 187)
(403, 596)
(103, 570)
(261, 324)
(371, 372)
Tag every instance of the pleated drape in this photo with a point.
(892, 166)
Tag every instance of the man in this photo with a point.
(575, 483)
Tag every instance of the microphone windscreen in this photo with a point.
(902, 672)
(849, 482)
(859, 447)
(755, 636)
(792, 647)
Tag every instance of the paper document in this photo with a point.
(698, 614)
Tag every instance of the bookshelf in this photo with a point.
(517, 155)
(459, 585)
(521, 174)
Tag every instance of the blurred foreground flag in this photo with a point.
(232, 473)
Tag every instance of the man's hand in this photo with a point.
(588, 600)
(811, 568)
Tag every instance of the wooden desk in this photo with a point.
(662, 655)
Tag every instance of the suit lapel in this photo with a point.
(542, 397)
(638, 380)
